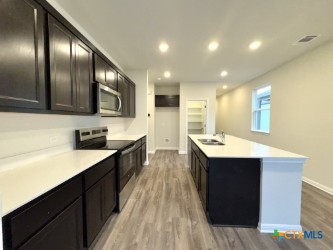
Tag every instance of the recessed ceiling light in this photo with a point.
(213, 46)
(164, 47)
(167, 74)
(254, 45)
(225, 86)
(159, 78)
(224, 73)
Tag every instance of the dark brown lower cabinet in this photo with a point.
(138, 161)
(195, 169)
(192, 166)
(94, 208)
(140, 154)
(100, 200)
(203, 187)
(62, 218)
(197, 173)
(109, 194)
(51, 221)
(64, 232)
(143, 153)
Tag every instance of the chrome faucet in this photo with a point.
(222, 136)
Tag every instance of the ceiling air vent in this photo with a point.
(306, 39)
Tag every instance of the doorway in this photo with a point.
(196, 116)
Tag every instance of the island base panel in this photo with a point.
(234, 192)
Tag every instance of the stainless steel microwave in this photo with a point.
(108, 101)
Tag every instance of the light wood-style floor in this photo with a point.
(164, 212)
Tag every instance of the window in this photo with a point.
(261, 109)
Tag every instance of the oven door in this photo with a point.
(127, 164)
(108, 101)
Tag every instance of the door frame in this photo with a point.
(186, 116)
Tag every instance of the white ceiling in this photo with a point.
(130, 31)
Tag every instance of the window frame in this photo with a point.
(255, 110)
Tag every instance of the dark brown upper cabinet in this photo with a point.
(166, 100)
(84, 74)
(131, 100)
(70, 70)
(104, 73)
(123, 89)
(127, 91)
(22, 60)
(62, 68)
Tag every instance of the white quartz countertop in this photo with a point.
(126, 137)
(240, 148)
(22, 184)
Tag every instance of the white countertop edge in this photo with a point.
(216, 151)
(50, 185)
(32, 157)
(284, 159)
(133, 137)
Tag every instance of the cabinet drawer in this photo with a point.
(144, 139)
(137, 145)
(30, 220)
(98, 171)
(195, 149)
(203, 160)
(64, 232)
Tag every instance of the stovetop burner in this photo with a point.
(118, 144)
(95, 138)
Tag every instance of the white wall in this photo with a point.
(167, 120)
(23, 134)
(195, 91)
(167, 90)
(301, 112)
(167, 128)
(151, 118)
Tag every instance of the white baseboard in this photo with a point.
(167, 148)
(146, 163)
(182, 152)
(269, 228)
(318, 185)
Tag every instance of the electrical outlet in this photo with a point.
(166, 139)
(54, 139)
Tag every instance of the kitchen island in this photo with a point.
(275, 174)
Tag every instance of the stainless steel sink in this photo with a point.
(207, 140)
(210, 142)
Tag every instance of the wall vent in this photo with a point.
(306, 39)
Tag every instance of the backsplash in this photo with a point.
(34, 134)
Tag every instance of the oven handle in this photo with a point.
(129, 150)
(119, 100)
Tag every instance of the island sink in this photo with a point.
(210, 142)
